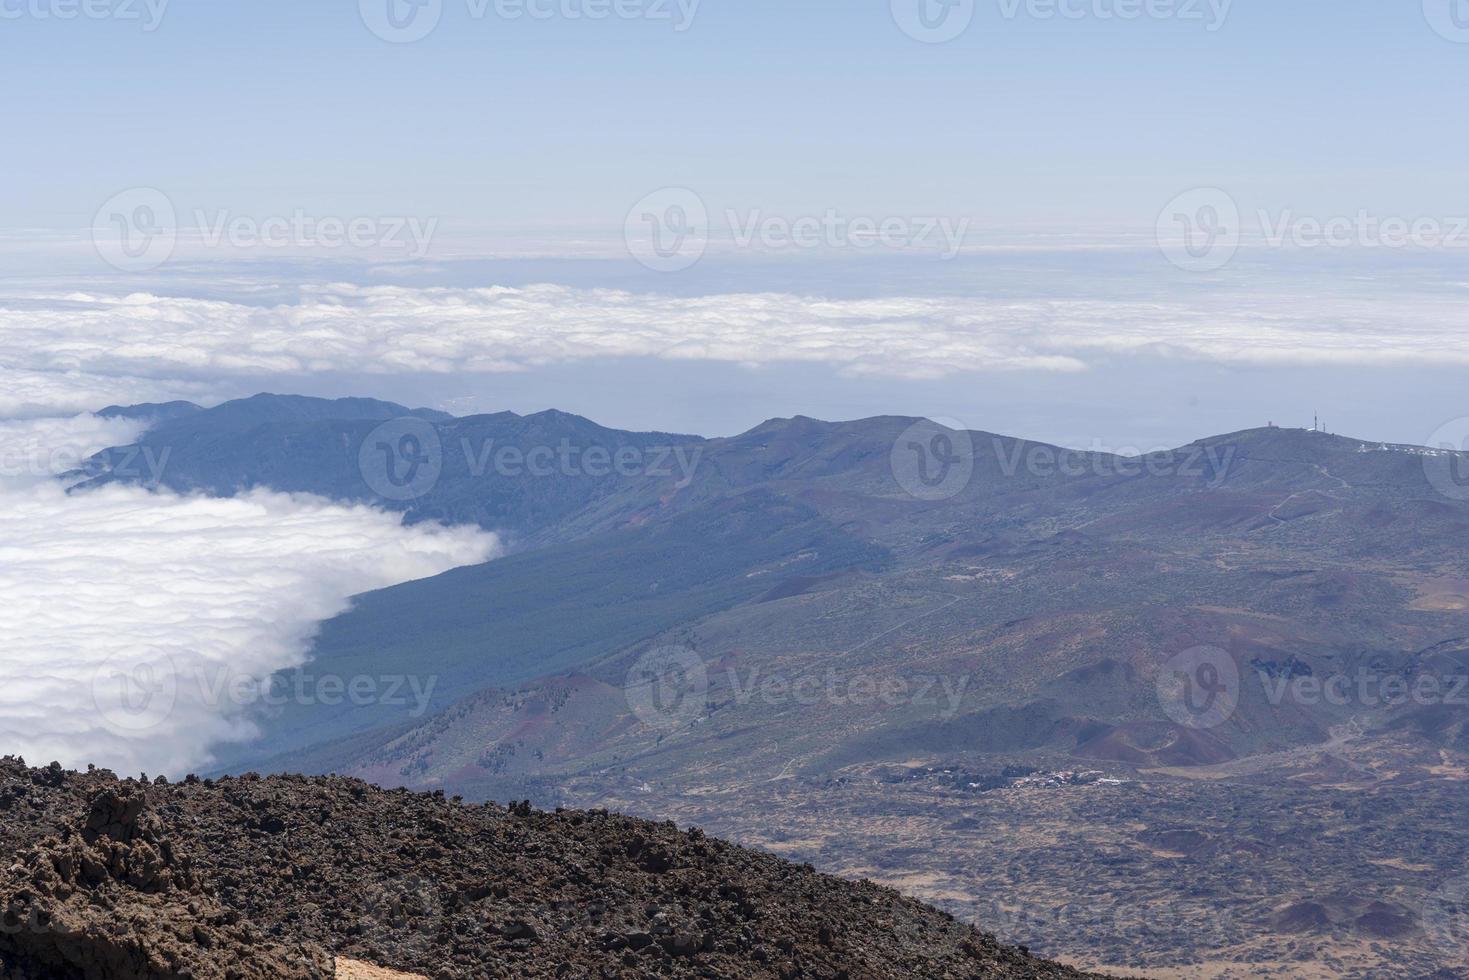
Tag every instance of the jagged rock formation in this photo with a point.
(110, 898)
(269, 878)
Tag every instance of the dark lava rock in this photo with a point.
(1383, 921)
(253, 878)
(111, 899)
(1301, 917)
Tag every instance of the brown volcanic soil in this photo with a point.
(271, 877)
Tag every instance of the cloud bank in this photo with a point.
(134, 613)
(137, 620)
(64, 351)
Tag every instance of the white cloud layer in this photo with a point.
(57, 350)
(134, 617)
(131, 612)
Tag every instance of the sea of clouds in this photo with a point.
(132, 613)
(72, 351)
(137, 621)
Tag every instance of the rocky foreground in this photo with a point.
(256, 878)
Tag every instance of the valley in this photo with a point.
(1250, 647)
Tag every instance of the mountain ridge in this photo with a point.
(881, 672)
(277, 406)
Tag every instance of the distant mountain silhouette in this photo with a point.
(1279, 546)
(885, 647)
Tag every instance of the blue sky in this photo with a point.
(495, 124)
(1055, 140)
